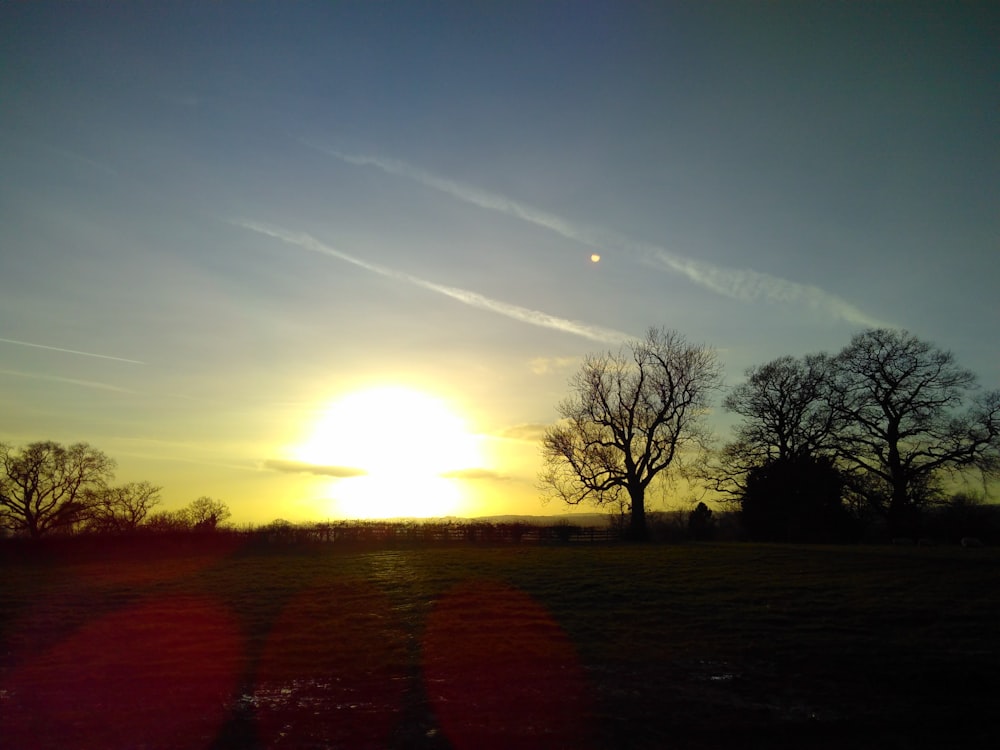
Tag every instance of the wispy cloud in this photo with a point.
(301, 467)
(63, 153)
(548, 365)
(524, 314)
(752, 286)
(476, 474)
(740, 284)
(467, 193)
(473, 299)
(71, 351)
(68, 381)
(530, 433)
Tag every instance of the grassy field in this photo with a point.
(599, 646)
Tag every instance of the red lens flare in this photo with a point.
(501, 673)
(333, 671)
(155, 675)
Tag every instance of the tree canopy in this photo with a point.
(910, 413)
(630, 415)
(784, 406)
(895, 414)
(46, 486)
(206, 513)
(122, 508)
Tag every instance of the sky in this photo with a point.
(324, 260)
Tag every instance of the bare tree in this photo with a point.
(206, 513)
(909, 414)
(165, 521)
(786, 415)
(46, 486)
(785, 409)
(123, 508)
(631, 415)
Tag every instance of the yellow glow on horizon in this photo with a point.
(404, 440)
(385, 496)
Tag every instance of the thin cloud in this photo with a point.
(466, 193)
(71, 351)
(547, 365)
(68, 381)
(530, 433)
(64, 154)
(473, 299)
(524, 314)
(192, 452)
(162, 458)
(751, 286)
(475, 474)
(301, 467)
(743, 285)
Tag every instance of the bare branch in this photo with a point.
(630, 415)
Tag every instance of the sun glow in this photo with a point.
(403, 440)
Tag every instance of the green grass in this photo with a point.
(700, 645)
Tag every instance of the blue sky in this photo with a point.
(252, 211)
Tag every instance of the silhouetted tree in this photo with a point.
(795, 499)
(908, 414)
(206, 513)
(45, 486)
(165, 521)
(122, 508)
(785, 407)
(701, 525)
(786, 413)
(631, 414)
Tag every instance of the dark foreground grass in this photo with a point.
(695, 646)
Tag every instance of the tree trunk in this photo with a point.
(637, 530)
(31, 524)
(902, 514)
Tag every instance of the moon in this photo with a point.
(595, 258)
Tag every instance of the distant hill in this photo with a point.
(573, 519)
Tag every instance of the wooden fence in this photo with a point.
(340, 534)
(401, 533)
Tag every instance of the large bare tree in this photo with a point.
(46, 486)
(784, 406)
(630, 416)
(909, 414)
(786, 416)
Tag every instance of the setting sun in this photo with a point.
(404, 441)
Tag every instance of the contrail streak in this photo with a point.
(72, 351)
(524, 314)
(743, 285)
(70, 381)
(473, 299)
(61, 153)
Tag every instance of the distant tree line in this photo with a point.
(828, 446)
(47, 488)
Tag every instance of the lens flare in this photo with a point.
(501, 673)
